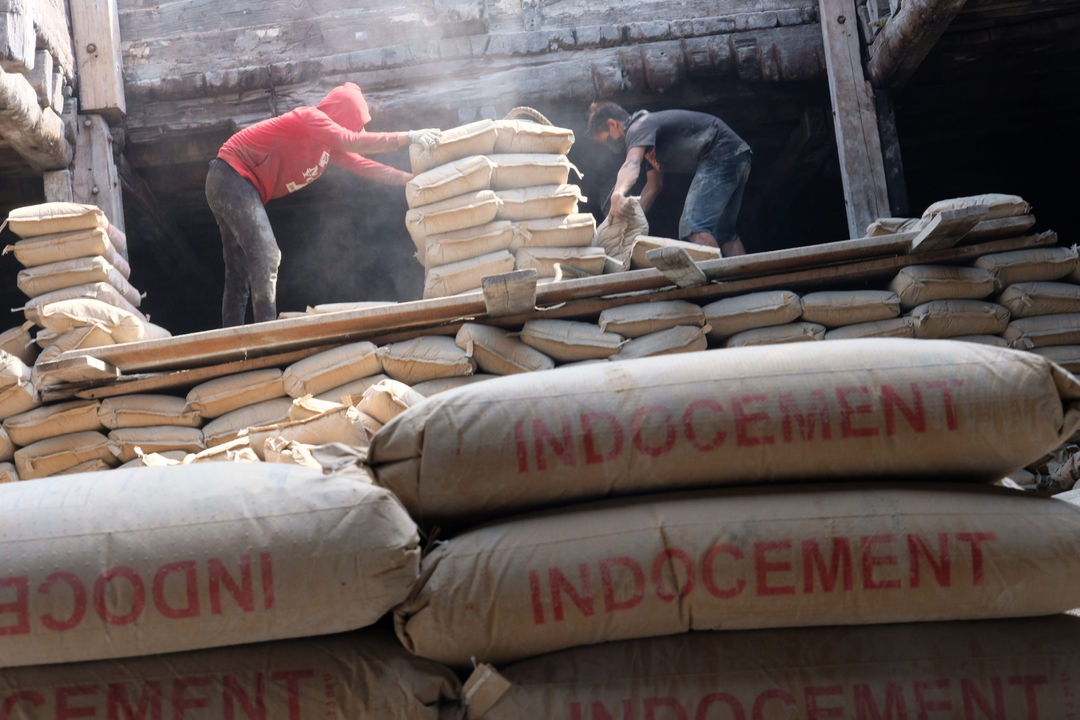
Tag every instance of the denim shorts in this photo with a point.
(715, 198)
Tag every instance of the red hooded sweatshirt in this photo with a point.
(283, 154)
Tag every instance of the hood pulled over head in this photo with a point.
(346, 106)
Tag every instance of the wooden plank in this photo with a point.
(74, 370)
(226, 344)
(57, 186)
(95, 179)
(677, 266)
(95, 27)
(17, 38)
(509, 293)
(907, 38)
(145, 383)
(54, 34)
(862, 168)
(948, 228)
(41, 77)
(36, 133)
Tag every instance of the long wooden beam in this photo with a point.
(36, 134)
(248, 341)
(907, 39)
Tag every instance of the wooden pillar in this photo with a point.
(907, 38)
(854, 118)
(94, 178)
(58, 186)
(890, 153)
(18, 40)
(95, 27)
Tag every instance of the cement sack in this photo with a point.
(570, 340)
(439, 385)
(950, 318)
(498, 352)
(66, 315)
(225, 394)
(543, 260)
(753, 310)
(446, 248)
(464, 211)
(18, 342)
(1031, 265)
(362, 676)
(892, 226)
(1067, 356)
(13, 371)
(104, 292)
(51, 420)
(455, 178)
(1043, 331)
(918, 284)
(525, 136)
(19, 398)
(55, 217)
(837, 308)
(992, 340)
(618, 235)
(155, 439)
(81, 338)
(848, 408)
(146, 410)
(169, 457)
(351, 390)
(365, 675)
(1029, 299)
(475, 138)
(8, 473)
(309, 406)
(118, 239)
(229, 426)
(643, 244)
(737, 559)
(425, 358)
(289, 452)
(519, 170)
(464, 275)
(319, 372)
(184, 557)
(69, 273)
(385, 400)
(678, 339)
(65, 246)
(56, 454)
(88, 466)
(639, 319)
(7, 448)
(233, 451)
(901, 327)
(990, 669)
(539, 201)
(341, 425)
(999, 205)
(575, 230)
(778, 334)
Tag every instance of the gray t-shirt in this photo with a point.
(683, 138)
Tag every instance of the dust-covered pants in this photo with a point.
(250, 250)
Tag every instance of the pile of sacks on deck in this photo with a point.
(820, 515)
(76, 277)
(492, 197)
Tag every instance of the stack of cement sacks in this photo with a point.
(774, 491)
(76, 278)
(492, 197)
(205, 592)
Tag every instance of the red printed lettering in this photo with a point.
(817, 413)
(926, 706)
(915, 413)
(870, 561)
(783, 696)
(266, 568)
(663, 559)
(537, 602)
(78, 601)
(181, 703)
(652, 704)
(292, 680)
(813, 694)
(254, 708)
(563, 449)
(637, 426)
(847, 411)
(64, 695)
(763, 567)
(19, 607)
(972, 697)
(737, 711)
(17, 697)
(138, 595)
(1031, 700)
(607, 583)
(191, 590)
(866, 708)
(592, 456)
(839, 565)
(243, 592)
(976, 540)
(743, 419)
(951, 421)
(709, 581)
(559, 583)
(939, 566)
(691, 431)
(119, 707)
(521, 447)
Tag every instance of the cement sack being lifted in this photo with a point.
(739, 558)
(844, 408)
(155, 560)
(360, 676)
(525, 136)
(475, 138)
(995, 669)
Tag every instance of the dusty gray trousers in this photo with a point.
(248, 245)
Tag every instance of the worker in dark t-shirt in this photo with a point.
(679, 141)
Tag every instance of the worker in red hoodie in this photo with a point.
(279, 156)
